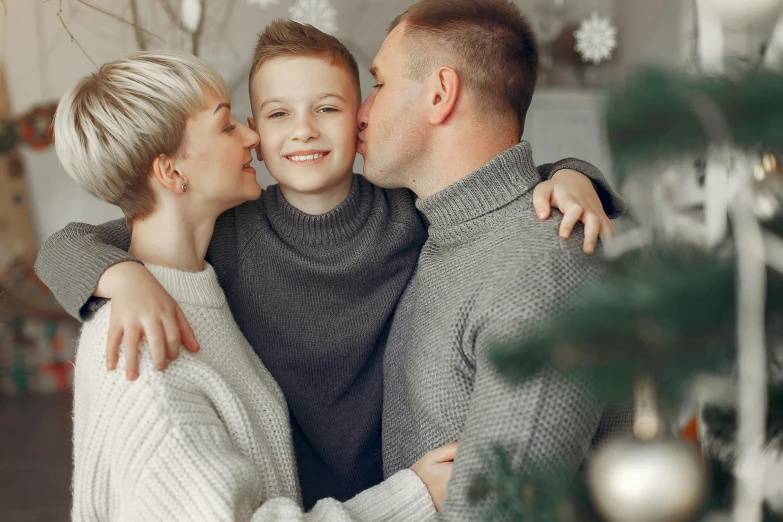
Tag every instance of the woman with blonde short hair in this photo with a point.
(209, 439)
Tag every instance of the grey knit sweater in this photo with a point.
(489, 272)
(314, 295)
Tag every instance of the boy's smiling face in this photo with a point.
(305, 112)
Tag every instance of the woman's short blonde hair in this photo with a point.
(110, 127)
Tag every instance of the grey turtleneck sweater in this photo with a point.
(314, 295)
(489, 272)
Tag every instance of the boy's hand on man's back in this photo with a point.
(574, 195)
(142, 307)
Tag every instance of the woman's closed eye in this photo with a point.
(230, 128)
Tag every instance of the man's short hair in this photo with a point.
(489, 42)
(110, 127)
(286, 38)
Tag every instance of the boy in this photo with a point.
(312, 270)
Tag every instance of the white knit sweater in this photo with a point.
(208, 439)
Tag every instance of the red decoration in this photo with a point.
(35, 126)
(59, 371)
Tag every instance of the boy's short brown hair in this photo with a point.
(491, 43)
(286, 38)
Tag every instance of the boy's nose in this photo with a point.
(305, 129)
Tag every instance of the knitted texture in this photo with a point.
(208, 439)
(490, 272)
(314, 296)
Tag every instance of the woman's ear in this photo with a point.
(164, 170)
(252, 124)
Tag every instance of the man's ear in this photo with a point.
(444, 90)
(164, 170)
(252, 124)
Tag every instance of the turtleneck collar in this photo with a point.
(193, 288)
(505, 178)
(337, 225)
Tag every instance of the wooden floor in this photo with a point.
(35, 458)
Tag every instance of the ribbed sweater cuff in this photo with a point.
(75, 293)
(400, 498)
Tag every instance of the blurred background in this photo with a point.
(47, 45)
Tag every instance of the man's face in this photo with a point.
(392, 128)
(304, 108)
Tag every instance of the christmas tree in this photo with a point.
(689, 318)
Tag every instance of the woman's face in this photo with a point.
(215, 158)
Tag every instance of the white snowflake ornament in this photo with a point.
(318, 13)
(596, 38)
(263, 4)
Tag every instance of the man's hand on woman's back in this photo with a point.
(141, 307)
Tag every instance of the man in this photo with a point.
(454, 82)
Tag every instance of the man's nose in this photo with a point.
(362, 114)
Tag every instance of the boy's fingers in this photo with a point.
(606, 235)
(172, 335)
(113, 346)
(188, 337)
(445, 453)
(156, 341)
(131, 343)
(607, 229)
(570, 219)
(542, 195)
(592, 229)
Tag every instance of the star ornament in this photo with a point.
(596, 38)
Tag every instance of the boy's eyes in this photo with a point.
(328, 110)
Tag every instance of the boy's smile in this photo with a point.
(306, 157)
(304, 108)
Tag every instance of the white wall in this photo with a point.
(41, 63)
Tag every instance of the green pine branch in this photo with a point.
(668, 316)
(656, 115)
(529, 495)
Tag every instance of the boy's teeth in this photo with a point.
(307, 158)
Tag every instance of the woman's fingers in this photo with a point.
(444, 453)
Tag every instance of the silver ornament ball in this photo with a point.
(659, 480)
